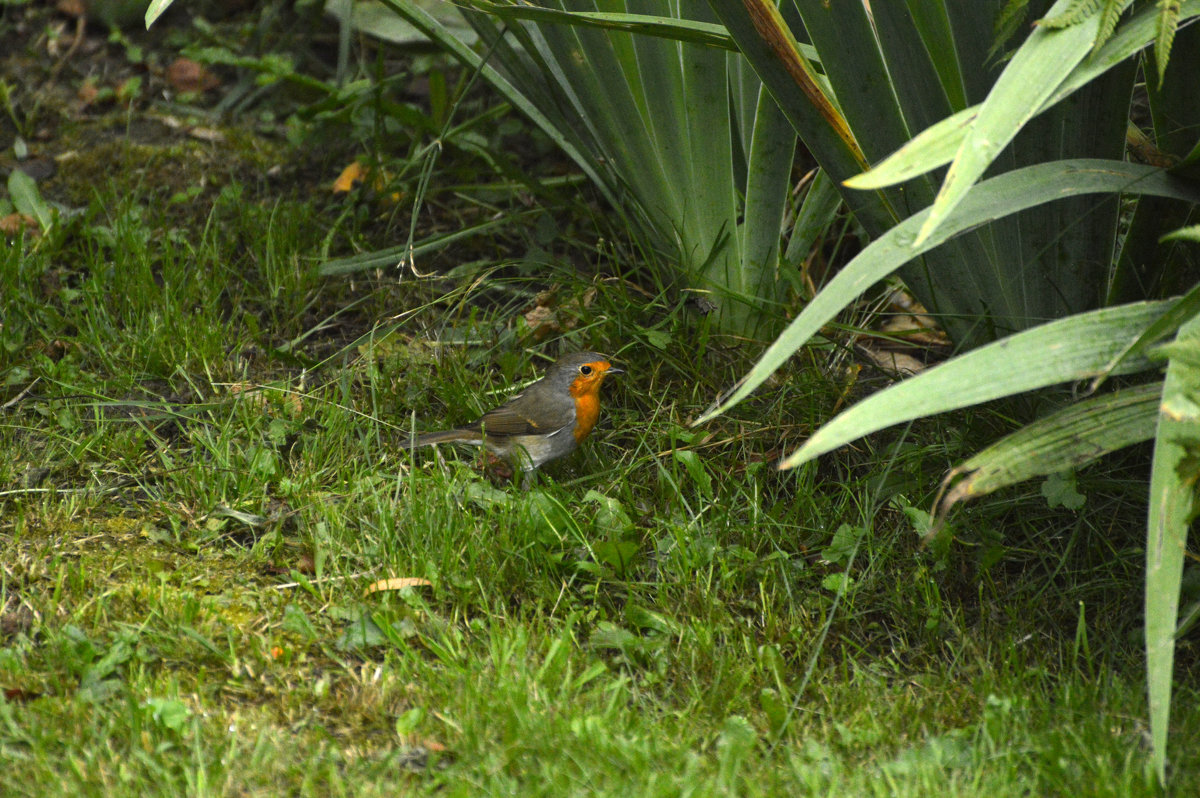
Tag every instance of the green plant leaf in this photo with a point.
(936, 145)
(1191, 233)
(991, 199)
(1039, 66)
(28, 200)
(707, 34)
(1173, 481)
(1182, 309)
(1067, 439)
(814, 218)
(1069, 349)
(155, 10)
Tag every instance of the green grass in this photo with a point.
(205, 475)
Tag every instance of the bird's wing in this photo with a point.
(513, 418)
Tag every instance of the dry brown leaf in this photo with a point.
(396, 583)
(292, 405)
(14, 223)
(186, 75)
(88, 92)
(541, 321)
(71, 8)
(896, 363)
(915, 329)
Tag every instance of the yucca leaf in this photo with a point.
(1069, 438)
(936, 145)
(1074, 348)
(708, 34)
(814, 218)
(1000, 196)
(1028, 80)
(1173, 481)
(1182, 310)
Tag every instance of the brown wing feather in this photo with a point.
(510, 419)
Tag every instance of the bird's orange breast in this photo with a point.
(586, 392)
(587, 412)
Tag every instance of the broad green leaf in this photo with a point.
(1072, 437)
(772, 149)
(991, 199)
(1173, 480)
(650, 115)
(1073, 348)
(766, 40)
(26, 198)
(843, 34)
(1030, 78)
(1191, 233)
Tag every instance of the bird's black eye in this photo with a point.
(585, 370)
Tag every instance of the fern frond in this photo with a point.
(1108, 22)
(1167, 24)
(1008, 22)
(1077, 12)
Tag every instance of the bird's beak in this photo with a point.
(615, 370)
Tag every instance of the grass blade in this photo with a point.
(682, 30)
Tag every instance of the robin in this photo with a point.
(545, 421)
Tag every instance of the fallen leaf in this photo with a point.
(88, 92)
(541, 321)
(14, 223)
(894, 363)
(356, 174)
(16, 694)
(71, 8)
(350, 176)
(186, 75)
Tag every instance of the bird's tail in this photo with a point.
(444, 436)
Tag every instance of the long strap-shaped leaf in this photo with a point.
(1011, 192)
(1073, 348)
(426, 24)
(683, 30)
(936, 145)
(1075, 435)
(1038, 68)
(1173, 481)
